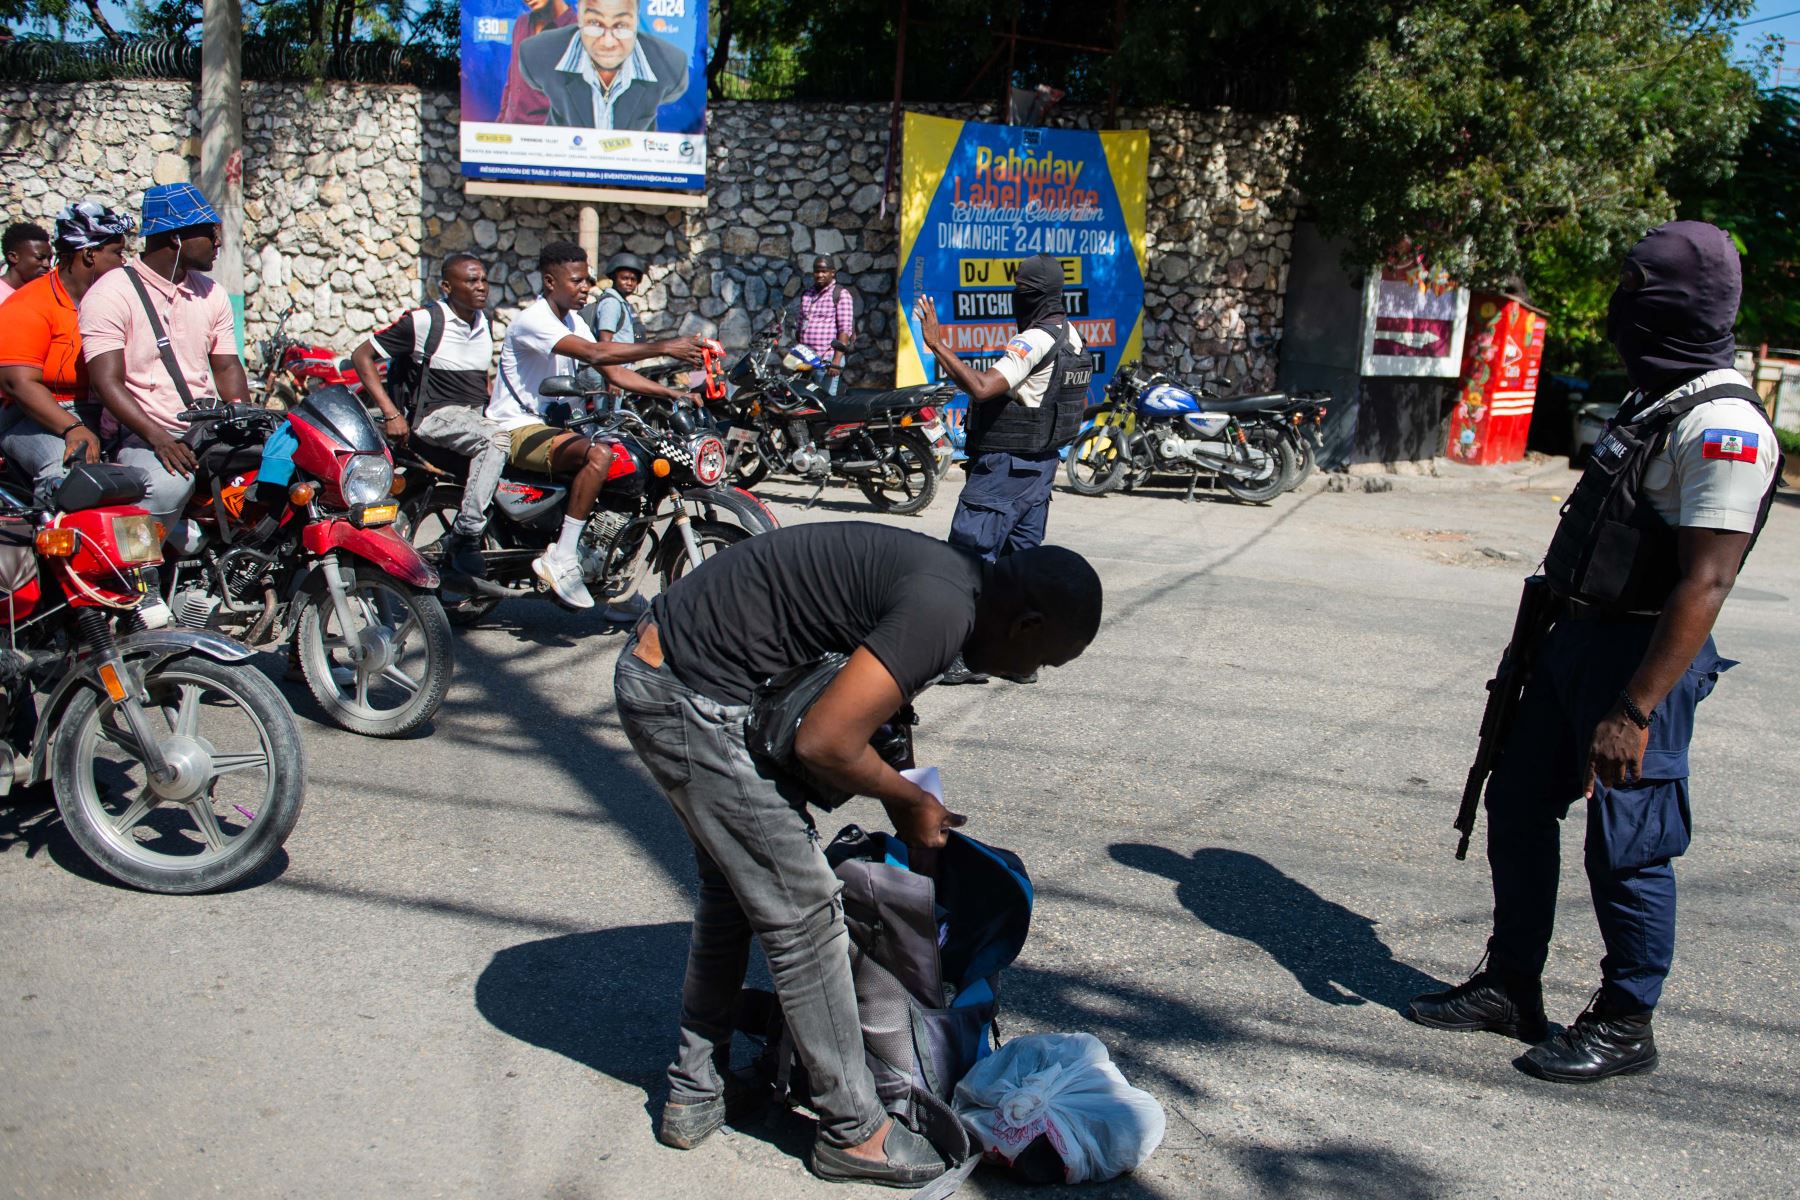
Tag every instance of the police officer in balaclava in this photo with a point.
(1649, 546)
(1022, 411)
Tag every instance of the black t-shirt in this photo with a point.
(459, 366)
(787, 598)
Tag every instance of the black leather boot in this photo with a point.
(1488, 1001)
(1598, 1044)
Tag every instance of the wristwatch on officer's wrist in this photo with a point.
(1638, 717)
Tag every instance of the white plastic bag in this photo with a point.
(1063, 1086)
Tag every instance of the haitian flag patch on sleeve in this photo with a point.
(1735, 444)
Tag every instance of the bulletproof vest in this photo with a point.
(1612, 549)
(1053, 424)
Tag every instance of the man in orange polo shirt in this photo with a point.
(48, 420)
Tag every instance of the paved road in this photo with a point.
(462, 981)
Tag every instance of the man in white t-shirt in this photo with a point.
(1022, 411)
(550, 338)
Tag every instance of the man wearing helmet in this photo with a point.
(48, 421)
(611, 316)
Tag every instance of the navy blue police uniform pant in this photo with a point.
(1633, 832)
(1005, 503)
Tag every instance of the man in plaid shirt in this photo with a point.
(827, 313)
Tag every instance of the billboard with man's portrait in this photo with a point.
(604, 92)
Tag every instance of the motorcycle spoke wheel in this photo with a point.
(710, 536)
(908, 478)
(387, 675)
(236, 792)
(1271, 450)
(464, 607)
(1095, 464)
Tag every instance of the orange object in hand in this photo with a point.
(712, 358)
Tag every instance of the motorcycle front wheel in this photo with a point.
(1300, 450)
(710, 537)
(240, 774)
(906, 481)
(1272, 455)
(748, 466)
(1096, 462)
(385, 675)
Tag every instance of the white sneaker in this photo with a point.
(563, 578)
(626, 610)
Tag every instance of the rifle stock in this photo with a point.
(1537, 612)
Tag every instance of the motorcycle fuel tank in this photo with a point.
(1165, 399)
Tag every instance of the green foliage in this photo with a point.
(1490, 135)
(1789, 441)
(1760, 205)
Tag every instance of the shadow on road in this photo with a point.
(1339, 1169)
(1332, 951)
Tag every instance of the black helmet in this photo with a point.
(625, 261)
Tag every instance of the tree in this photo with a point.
(1483, 132)
(63, 16)
(1759, 205)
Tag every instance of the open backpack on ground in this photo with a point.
(927, 957)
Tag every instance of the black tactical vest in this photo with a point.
(1611, 549)
(1002, 424)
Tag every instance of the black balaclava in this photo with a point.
(1671, 315)
(1038, 291)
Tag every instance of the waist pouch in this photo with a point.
(780, 706)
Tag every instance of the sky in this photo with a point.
(1785, 26)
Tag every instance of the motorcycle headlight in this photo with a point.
(709, 459)
(139, 539)
(366, 479)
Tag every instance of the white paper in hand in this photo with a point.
(927, 778)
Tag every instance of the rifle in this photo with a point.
(1537, 612)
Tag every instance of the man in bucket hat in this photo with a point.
(144, 386)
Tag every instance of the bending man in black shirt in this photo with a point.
(902, 605)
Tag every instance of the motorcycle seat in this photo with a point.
(857, 403)
(1249, 404)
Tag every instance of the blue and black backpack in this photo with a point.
(926, 956)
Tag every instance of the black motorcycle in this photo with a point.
(779, 419)
(663, 509)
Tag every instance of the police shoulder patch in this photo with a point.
(1733, 445)
(1020, 347)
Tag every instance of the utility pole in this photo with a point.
(222, 142)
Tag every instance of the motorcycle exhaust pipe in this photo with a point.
(1243, 472)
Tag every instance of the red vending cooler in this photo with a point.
(1501, 356)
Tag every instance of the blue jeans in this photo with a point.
(762, 872)
(1005, 504)
(1633, 833)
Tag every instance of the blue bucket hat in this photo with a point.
(170, 206)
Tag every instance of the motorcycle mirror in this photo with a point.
(559, 385)
(840, 345)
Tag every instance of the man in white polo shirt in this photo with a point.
(550, 338)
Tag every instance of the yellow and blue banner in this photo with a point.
(976, 200)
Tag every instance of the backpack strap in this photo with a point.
(163, 348)
(421, 357)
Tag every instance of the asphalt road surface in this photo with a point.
(462, 978)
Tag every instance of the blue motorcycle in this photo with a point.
(1148, 424)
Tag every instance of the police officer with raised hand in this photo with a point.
(1022, 411)
(1648, 548)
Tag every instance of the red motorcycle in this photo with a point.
(175, 764)
(289, 539)
(291, 369)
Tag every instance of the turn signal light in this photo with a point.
(399, 484)
(302, 493)
(905, 421)
(660, 468)
(56, 543)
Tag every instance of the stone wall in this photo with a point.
(352, 192)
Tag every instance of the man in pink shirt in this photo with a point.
(143, 398)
